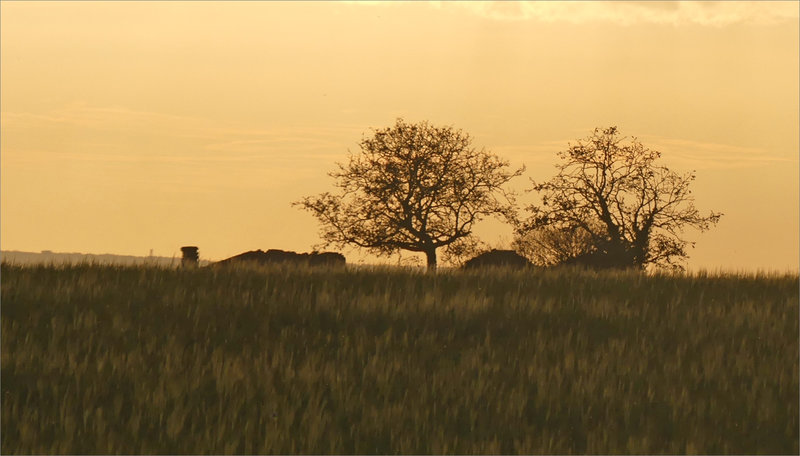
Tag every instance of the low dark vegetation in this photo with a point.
(301, 360)
(495, 258)
(281, 257)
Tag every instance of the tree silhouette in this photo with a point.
(550, 245)
(412, 187)
(624, 209)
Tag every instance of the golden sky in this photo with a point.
(130, 126)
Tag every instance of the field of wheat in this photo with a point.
(113, 359)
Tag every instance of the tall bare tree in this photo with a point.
(627, 209)
(413, 187)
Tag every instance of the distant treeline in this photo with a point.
(47, 257)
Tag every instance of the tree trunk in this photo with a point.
(430, 254)
(640, 247)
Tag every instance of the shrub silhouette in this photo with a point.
(504, 258)
(275, 256)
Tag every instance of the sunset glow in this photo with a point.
(131, 126)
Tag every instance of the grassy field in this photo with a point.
(102, 359)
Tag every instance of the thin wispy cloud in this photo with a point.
(707, 155)
(715, 14)
(183, 154)
(203, 142)
(193, 139)
(682, 154)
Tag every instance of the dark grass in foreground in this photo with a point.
(144, 360)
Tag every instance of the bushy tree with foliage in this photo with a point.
(612, 205)
(415, 187)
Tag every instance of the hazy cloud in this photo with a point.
(631, 13)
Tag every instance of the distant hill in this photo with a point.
(48, 257)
